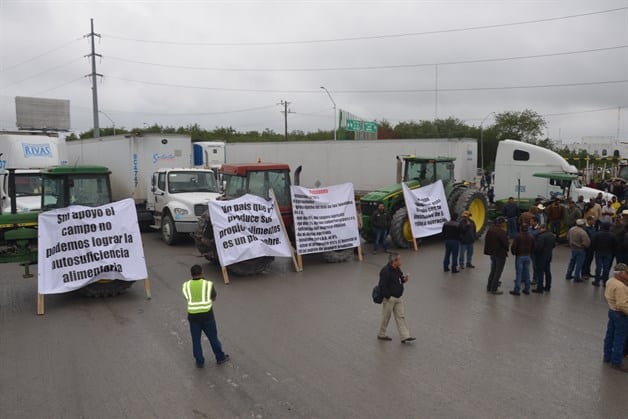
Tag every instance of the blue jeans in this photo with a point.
(522, 264)
(555, 225)
(468, 249)
(209, 328)
(616, 332)
(575, 264)
(511, 227)
(380, 238)
(603, 263)
(451, 253)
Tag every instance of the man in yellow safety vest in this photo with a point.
(200, 295)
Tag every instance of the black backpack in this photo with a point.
(378, 298)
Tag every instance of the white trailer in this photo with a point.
(368, 164)
(209, 154)
(154, 170)
(27, 152)
(527, 171)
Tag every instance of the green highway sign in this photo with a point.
(354, 125)
(370, 126)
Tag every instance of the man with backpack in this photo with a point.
(391, 283)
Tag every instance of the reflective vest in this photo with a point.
(197, 292)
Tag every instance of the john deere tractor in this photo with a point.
(60, 187)
(417, 172)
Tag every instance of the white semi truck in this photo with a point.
(526, 172)
(156, 171)
(27, 152)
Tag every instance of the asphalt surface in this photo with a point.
(303, 345)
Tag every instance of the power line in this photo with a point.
(363, 38)
(46, 71)
(356, 91)
(187, 113)
(377, 67)
(59, 86)
(39, 55)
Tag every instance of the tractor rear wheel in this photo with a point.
(338, 256)
(400, 230)
(251, 267)
(106, 288)
(475, 202)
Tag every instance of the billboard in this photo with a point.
(42, 114)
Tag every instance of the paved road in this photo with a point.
(304, 346)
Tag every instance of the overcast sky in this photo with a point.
(229, 63)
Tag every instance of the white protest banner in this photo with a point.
(427, 209)
(79, 245)
(325, 219)
(247, 228)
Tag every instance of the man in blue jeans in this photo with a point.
(579, 242)
(616, 294)
(522, 247)
(511, 212)
(200, 295)
(467, 238)
(451, 234)
(604, 246)
(380, 220)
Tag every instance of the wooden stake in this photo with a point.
(225, 275)
(147, 288)
(297, 267)
(360, 253)
(40, 304)
(300, 262)
(416, 248)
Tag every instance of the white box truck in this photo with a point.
(156, 171)
(526, 171)
(209, 154)
(27, 152)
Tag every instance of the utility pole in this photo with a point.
(93, 75)
(285, 113)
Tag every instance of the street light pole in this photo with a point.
(332, 101)
(112, 123)
(482, 140)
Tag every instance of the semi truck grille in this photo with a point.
(199, 209)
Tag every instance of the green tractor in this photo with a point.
(61, 187)
(417, 172)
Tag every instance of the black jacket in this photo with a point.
(380, 219)
(496, 242)
(604, 242)
(391, 281)
(468, 234)
(544, 244)
(452, 230)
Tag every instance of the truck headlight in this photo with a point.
(180, 211)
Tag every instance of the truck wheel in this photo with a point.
(475, 202)
(338, 256)
(168, 230)
(400, 230)
(251, 267)
(105, 288)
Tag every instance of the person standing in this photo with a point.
(200, 295)
(511, 212)
(467, 238)
(616, 295)
(496, 246)
(579, 242)
(543, 247)
(391, 282)
(451, 234)
(604, 246)
(522, 247)
(591, 229)
(572, 213)
(555, 217)
(580, 203)
(380, 220)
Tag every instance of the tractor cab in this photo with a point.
(426, 170)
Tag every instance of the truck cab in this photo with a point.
(177, 198)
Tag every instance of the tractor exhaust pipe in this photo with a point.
(399, 169)
(11, 191)
(297, 176)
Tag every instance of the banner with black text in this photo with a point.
(79, 245)
(325, 219)
(246, 228)
(427, 209)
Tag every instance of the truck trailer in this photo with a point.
(156, 171)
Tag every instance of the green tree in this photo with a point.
(525, 126)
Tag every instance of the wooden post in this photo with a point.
(40, 304)
(297, 266)
(300, 262)
(225, 275)
(416, 248)
(360, 253)
(147, 288)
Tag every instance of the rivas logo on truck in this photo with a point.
(37, 150)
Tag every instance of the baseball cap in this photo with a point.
(621, 267)
(541, 207)
(580, 221)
